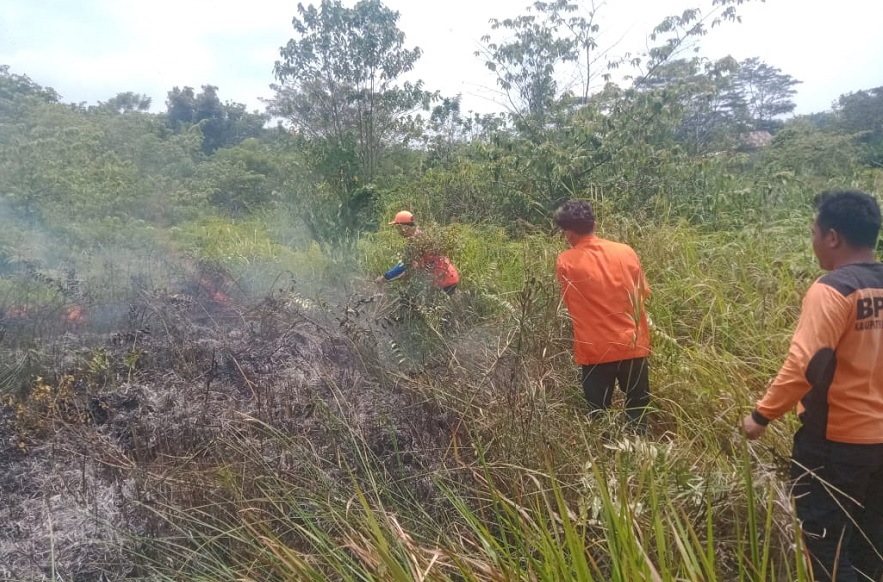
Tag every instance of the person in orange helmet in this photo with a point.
(440, 270)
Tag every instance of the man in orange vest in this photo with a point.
(604, 289)
(440, 270)
(834, 375)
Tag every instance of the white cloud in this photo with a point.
(164, 19)
(93, 49)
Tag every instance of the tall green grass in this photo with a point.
(529, 488)
(633, 512)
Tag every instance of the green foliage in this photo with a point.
(861, 114)
(808, 152)
(60, 163)
(125, 103)
(765, 91)
(526, 487)
(333, 219)
(337, 87)
(222, 125)
(468, 189)
(252, 254)
(525, 65)
(619, 140)
(244, 179)
(18, 87)
(222, 241)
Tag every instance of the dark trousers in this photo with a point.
(838, 495)
(633, 377)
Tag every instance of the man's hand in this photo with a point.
(753, 429)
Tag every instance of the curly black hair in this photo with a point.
(854, 215)
(576, 215)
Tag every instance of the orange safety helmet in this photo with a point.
(403, 217)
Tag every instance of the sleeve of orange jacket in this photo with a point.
(823, 320)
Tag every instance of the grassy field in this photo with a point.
(501, 476)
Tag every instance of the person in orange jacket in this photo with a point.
(833, 374)
(440, 270)
(604, 289)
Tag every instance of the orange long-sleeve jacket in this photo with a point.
(834, 368)
(442, 272)
(604, 289)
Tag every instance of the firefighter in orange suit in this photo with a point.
(834, 375)
(604, 289)
(440, 270)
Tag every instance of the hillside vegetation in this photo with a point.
(201, 381)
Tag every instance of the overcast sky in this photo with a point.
(90, 50)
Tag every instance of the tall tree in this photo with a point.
(562, 138)
(211, 116)
(702, 95)
(337, 88)
(180, 107)
(13, 85)
(526, 62)
(222, 124)
(127, 102)
(766, 91)
(861, 113)
(337, 79)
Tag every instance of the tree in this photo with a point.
(525, 65)
(243, 179)
(766, 91)
(337, 89)
(861, 113)
(212, 118)
(222, 124)
(701, 94)
(13, 85)
(804, 150)
(180, 107)
(722, 100)
(446, 130)
(123, 103)
(561, 140)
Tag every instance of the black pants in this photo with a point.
(838, 494)
(633, 377)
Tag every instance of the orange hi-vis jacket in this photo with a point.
(834, 368)
(604, 289)
(442, 272)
